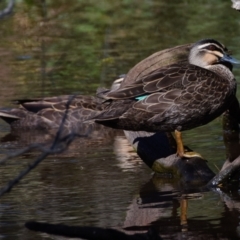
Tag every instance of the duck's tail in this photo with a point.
(8, 116)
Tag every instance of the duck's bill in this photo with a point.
(227, 58)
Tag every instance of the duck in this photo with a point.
(175, 97)
(45, 114)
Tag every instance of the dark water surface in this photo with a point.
(62, 47)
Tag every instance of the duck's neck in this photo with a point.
(222, 71)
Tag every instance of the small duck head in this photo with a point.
(208, 52)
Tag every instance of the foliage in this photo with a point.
(75, 46)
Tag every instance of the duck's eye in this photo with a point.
(211, 48)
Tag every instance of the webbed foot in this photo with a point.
(189, 154)
(181, 152)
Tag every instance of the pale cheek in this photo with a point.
(210, 59)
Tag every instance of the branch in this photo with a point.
(224, 176)
(8, 9)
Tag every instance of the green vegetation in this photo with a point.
(61, 47)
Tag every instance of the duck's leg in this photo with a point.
(180, 148)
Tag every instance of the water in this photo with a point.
(61, 47)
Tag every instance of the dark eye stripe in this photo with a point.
(214, 47)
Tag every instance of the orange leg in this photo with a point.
(180, 148)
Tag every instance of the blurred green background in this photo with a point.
(59, 46)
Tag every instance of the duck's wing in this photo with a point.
(167, 92)
(37, 104)
(172, 77)
(60, 103)
(193, 90)
(155, 61)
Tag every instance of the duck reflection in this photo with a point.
(166, 207)
(164, 211)
(128, 160)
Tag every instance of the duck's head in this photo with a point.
(208, 52)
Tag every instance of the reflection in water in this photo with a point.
(125, 154)
(179, 215)
(94, 188)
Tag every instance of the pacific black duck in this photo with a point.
(175, 97)
(47, 113)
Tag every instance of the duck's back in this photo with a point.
(178, 96)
